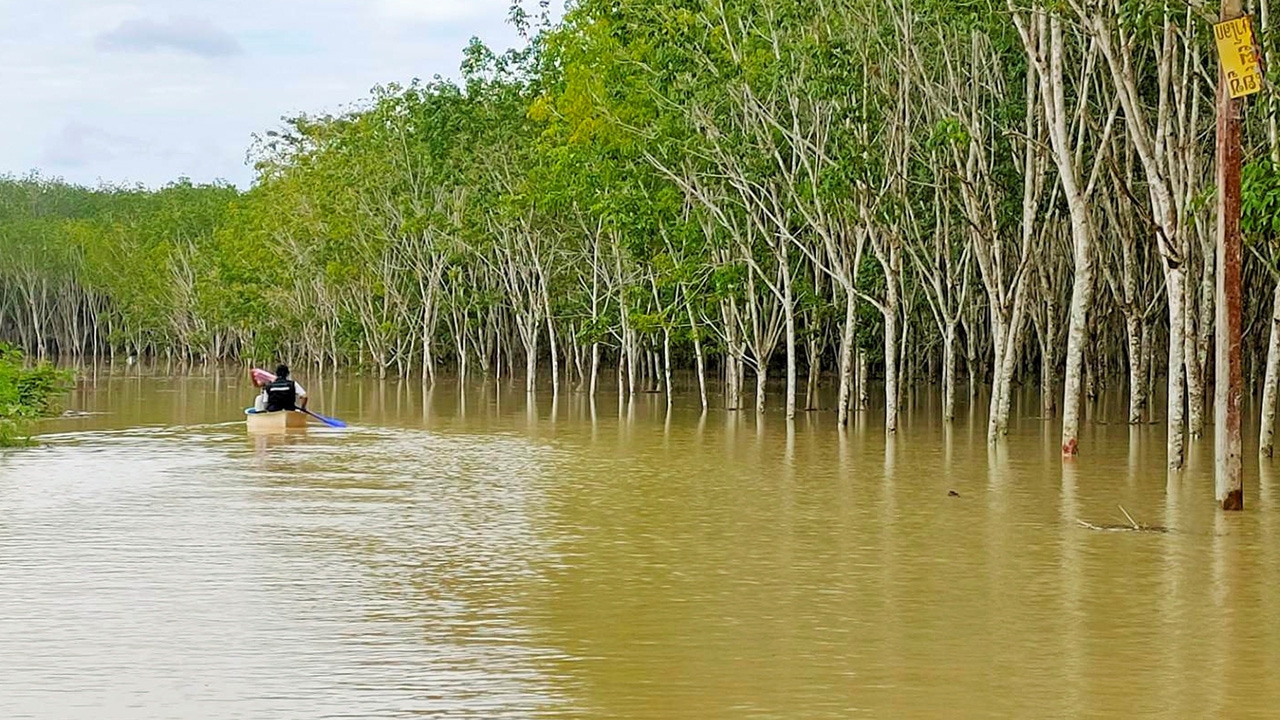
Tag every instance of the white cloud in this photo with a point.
(78, 145)
(187, 35)
(441, 11)
(152, 116)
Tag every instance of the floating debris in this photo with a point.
(1133, 526)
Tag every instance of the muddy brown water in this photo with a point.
(469, 554)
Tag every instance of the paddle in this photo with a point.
(331, 422)
(262, 377)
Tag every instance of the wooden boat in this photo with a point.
(269, 422)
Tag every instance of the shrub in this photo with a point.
(27, 393)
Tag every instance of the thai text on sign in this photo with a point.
(1239, 56)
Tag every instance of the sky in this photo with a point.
(96, 91)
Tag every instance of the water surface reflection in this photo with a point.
(462, 552)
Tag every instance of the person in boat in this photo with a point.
(283, 394)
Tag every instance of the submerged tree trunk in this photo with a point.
(789, 319)
(891, 369)
(762, 378)
(949, 374)
(1266, 444)
(666, 363)
(815, 369)
(847, 339)
(701, 361)
(864, 369)
(1174, 280)
(1192, 369)
(1081, 299)
(595, 367)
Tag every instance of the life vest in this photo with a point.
(282, 395)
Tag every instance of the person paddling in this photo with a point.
(283, 393)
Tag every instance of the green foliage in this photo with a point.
(1260, 201)
(26, 394)
(637, 168)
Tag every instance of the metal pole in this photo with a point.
(1229, 380)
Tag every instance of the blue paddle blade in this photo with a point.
(331, 422)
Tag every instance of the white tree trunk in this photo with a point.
(949, 373)
(1175, 284)
(891, 368)
(1193, 375)
(815, 369)
(762, 377)
(864, 369)
(1266, 444)
(789, 316)
(847, 339)
(1137, 380)
(1075, 337)
(666, 364)
(697, 351)
(531, 368)
(1049, 363)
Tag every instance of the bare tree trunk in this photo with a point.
(697, 351)
(1175, 281)
(762, 377)
(551, 345)
(815, 368)
(732, 358)
(1081, 299)
(1137, 378)
(789, 316)
(891, 367)
(1266, 440)
(595, 367)
(531, 367)
(666, 363)
(949, 374)
(847, 340)
(864, 392)
(1049, 362)
(1191, 363)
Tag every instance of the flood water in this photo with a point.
(468, 554)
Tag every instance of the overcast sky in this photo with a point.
(150, 90)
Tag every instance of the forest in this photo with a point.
(772, 196)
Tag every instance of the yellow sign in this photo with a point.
(1239, 56)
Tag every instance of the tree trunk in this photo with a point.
(1175, 284)
(1137, 378)
(666, 363)
(847, 339)
(697, 351)
(1049, 363)
(891, 368)
(949, 373)
(789, 316)
(1191, 363)
(762, 377)
(1266, 444)
(815, 369)
(864, 392)
(1077, 330)
(595, 367)
(531, 366)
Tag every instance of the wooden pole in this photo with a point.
(1229, 380)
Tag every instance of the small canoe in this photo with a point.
(268, 422)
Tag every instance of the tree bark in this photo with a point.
(1229, 385)
(1266, 438)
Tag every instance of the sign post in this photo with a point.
(1240, 76)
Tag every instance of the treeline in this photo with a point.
(962, 193)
